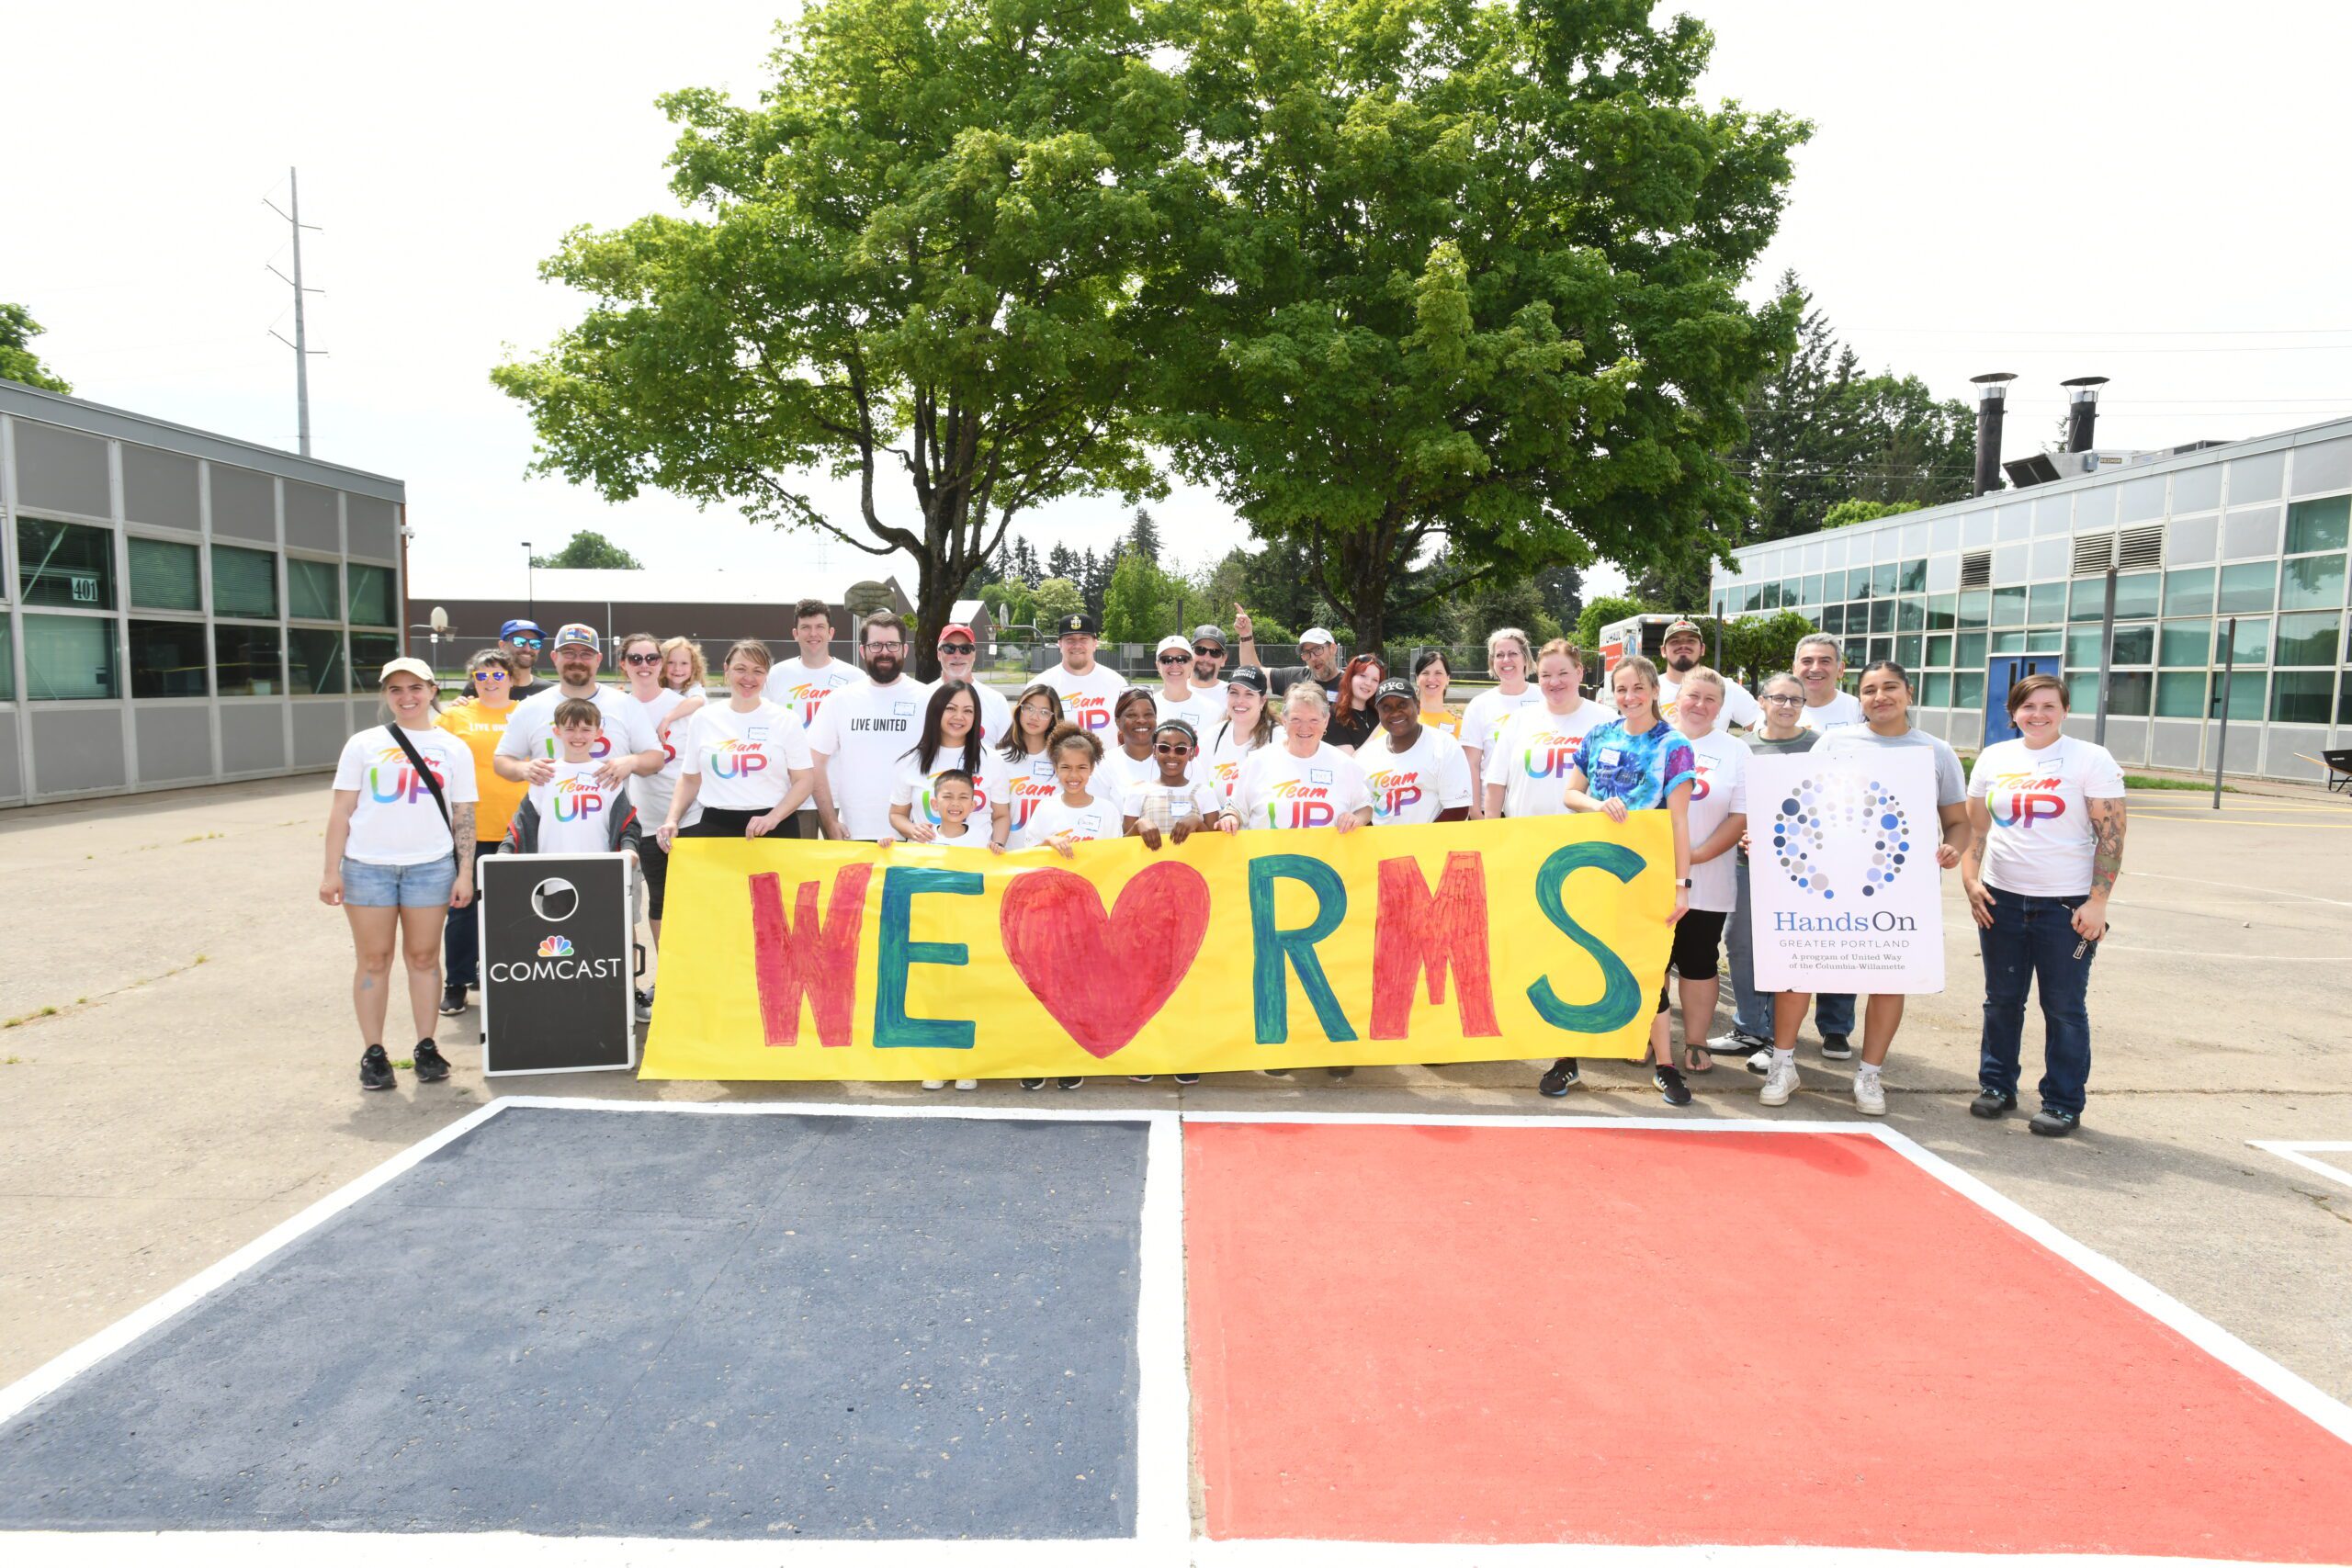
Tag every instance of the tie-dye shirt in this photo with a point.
(1640, 770)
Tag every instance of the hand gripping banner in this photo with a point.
(1468, 941)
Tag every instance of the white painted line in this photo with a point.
(950, 1108)
(2335, 958)
(2326, 1411)
(2242, 887)
(2300, 1153)
(1580, 1123)
(1593, 1554)
(1163, 1385)
(48, 1378)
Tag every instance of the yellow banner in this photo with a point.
(1469, 942)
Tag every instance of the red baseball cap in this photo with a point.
(954, 626)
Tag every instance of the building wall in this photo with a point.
(2257, 529)
(179, 607)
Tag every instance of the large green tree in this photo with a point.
(17, 360)
(907, 266)
(1463, 275)
(589, 548)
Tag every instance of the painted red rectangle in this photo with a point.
(1625, 1337)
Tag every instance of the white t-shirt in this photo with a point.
(1842, 707)
(794, 686)
(1086, 699)
(1119, 775)
(1183, 800)
(912, 787)
(531, 732)
(862, 730)
(2042, 844)
(1195, 710)
(1738, 707)
(1537, 751)
(395, 821)
(1228, 750)
(1213, 699)
(1055, 817)
(651, 792)
(744, 759)
(1028, 785)
(575, 811)
(1432, 776)
(1483, 720)
(1279, 790)
(1720, 789)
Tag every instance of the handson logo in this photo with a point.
(1841, 837)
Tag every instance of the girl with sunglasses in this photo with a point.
(480, 723)
(1172, 803)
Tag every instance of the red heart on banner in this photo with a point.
(1104, 977)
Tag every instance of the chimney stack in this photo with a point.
(1992, 402)
(2082, 411)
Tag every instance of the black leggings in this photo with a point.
(1698, 939)
(719, 823)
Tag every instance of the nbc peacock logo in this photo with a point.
(555, 947)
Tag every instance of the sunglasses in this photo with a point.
(489, 674)
(527, 641)
(958, 646)
(1170, 748)
(640, 659)
(1175, 659)
(1200, 652)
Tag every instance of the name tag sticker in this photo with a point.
(904, 710)
(1319, 776)
(757, 735)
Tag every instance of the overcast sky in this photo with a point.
(2150, 192)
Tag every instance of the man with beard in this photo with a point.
(1208, 670)
(958, 652)
(1684, 649)
(1316, 646)
(863, 730)
(1087, 690)
(627, 746)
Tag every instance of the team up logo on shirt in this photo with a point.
(2021, 799)
(1030, 792)
(392, 779)
(577, 799)
(1391, 792)
(1702, 785)
(740, 758)
(1091, 714)
(1551, 757)
(596, 753)
(808, 698)
(555, 947)
(1296, 804)
(979, 804)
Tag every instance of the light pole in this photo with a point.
(530, 584)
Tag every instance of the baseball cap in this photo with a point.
(1069, 625)
(1396, 686)
(1679, 627)
(416, 667)
(964, 626)
(1247, 675)
(574, 632)
(1208, 634)
(1178, 643)
(1315, 633)
(518, 624)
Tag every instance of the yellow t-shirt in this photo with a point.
(1446, 720)
(481, 728)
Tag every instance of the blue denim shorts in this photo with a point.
(426, 886)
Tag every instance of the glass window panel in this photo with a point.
(370, 651)
(244, 582)
(164, 576)
(2196, 489)
(2186, 645)
(371, 597)
(2008, 564)
(2008, 642)
(2088, 600)
(1833, 618)
(246, 659)
(1968, 653)
(2128, 693)
(1792, 593)
(1888, 545)
(2044, 639)
(2309, 639)
(2314, 583)
(2045, 604)
(69, 657)
(1938, 652)
(1881, 614)
(1968, 691)
(1943, 533)
(1943, 612)
(168, 660)
(2256, 479)
(1943, 573)
(1912, 578)
(315, 660)
(70, 565)
(2082, 648)
(1935, 689)
(2191, 540)
(1880, 647)
(2012, 522)
(2253, 640)
(2248, 533)
(2082, 692)
(2318, 525)
(2008, 605)
(1976, 529)
(2138, 594)
(1809, 558)
(314, 594)
(1914, 539)
(2135, 645)
(2246, 690)
(2190, 593)
(1906, 650)
(2144, 498)
(2094, 509)
(1809, 591)
(1857, 582)
(8, 662)
(1882, 579)
(2051, 558)
(2245, 588)
(2300, 696)
(2180, 696)
(1910, 614)
(2051, 515)
(2326, 465)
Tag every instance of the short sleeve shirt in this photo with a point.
(1640, 770)
(1719, 790)
(1279, 790)
(862, 730)
(530, 733)
(1534, 752)
(913, 785)
(744, 761)
(1861, 740)
(1414, 786)
(395, 820)
(2041, 844)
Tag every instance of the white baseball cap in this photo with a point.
(1178, 643)
(1315, 633)
(416, 667)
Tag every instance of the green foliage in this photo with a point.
(908, 264)
(1606, 612)
(1466, 276)
(1056, 597)
(589, 548)
(18, 361)
(1140, 604)
(1757, 646)
(1853, 508)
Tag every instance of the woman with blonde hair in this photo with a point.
(746, 760)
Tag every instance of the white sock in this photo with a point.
(1865, 1073)
(1780, 1056)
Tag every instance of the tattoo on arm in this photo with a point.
(2106, 839)
(462, 828)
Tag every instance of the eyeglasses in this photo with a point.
(489, 674)
(1170, 748)
(886, 648)
(1042, 710)
(956, 647)
(1200, 652)
(1783, 697)
(526, 642)
(1175, 659)
(640, 659)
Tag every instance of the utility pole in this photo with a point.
(302, 344)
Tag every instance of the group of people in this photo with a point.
(814, 747)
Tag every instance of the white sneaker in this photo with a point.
(1870, 1095)
(967, 1083)
(935, 1083)
(1760, 1062)
(1780, 1082)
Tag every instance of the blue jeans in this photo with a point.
(2032, 940)
(1751, 1009)
(461, 936)
(368, 885)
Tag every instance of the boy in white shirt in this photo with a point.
(575, 812)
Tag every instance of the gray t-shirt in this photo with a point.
(1803, 741)
(1952, 785)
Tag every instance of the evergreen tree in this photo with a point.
(1061, 561)
(1143, 535)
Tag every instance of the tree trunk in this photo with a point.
(936, 584)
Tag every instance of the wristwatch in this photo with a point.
(1683, 882)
